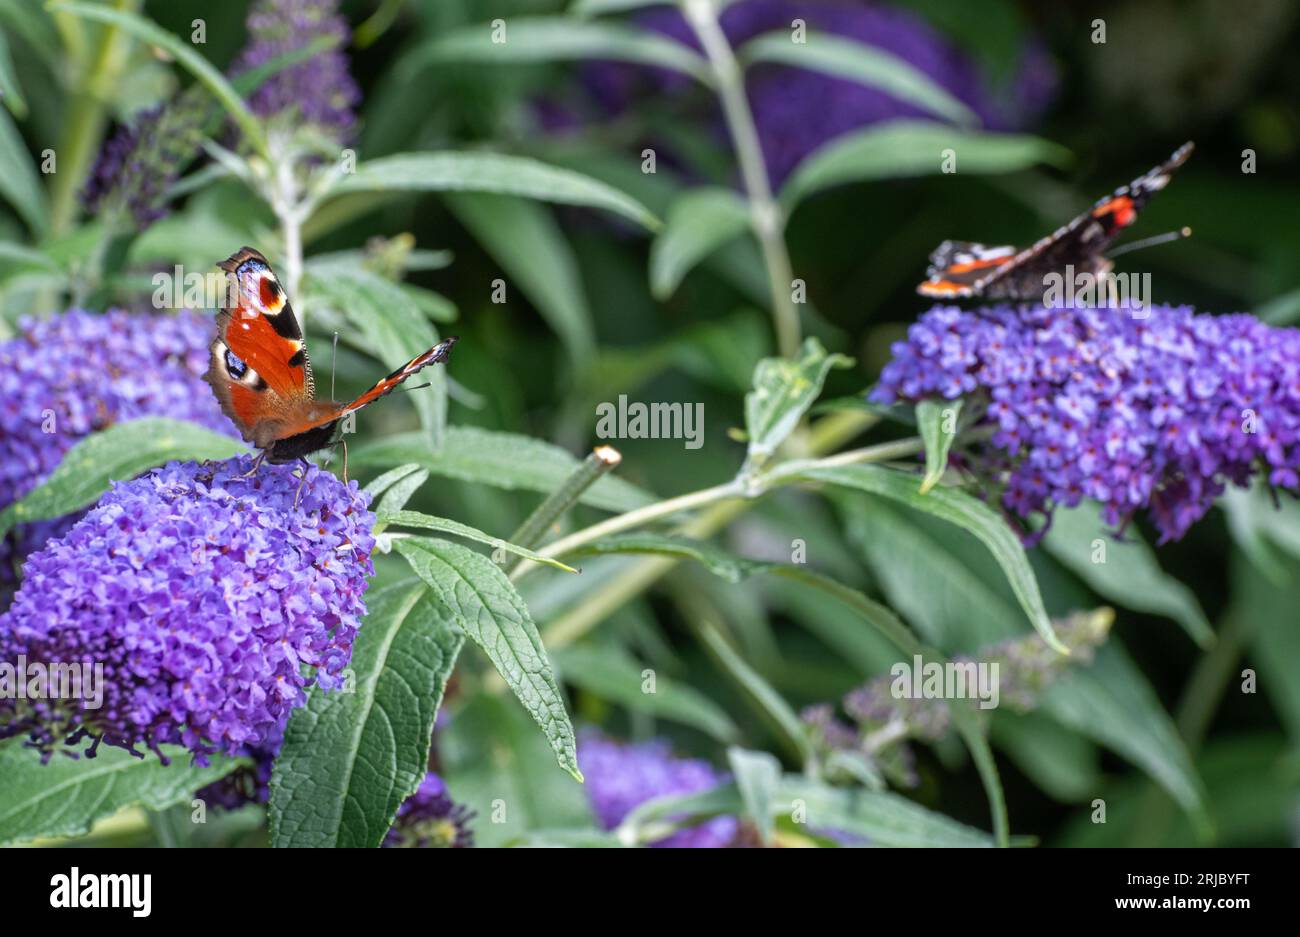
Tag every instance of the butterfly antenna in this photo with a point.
(1151, 242)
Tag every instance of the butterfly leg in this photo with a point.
(298, 494)
(345, 460)
(257, 463)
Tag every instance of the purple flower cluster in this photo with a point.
(143, 158)
(622, 776)
(1157, 412)
(319, 90)
(429, 818)
(247, 784)
(65, 377)
(796, 110)
(212, 597)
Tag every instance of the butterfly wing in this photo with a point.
(1082, 243)
(258, 365)
(329, 413)
(958, 268)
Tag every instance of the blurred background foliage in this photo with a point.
(582, 325)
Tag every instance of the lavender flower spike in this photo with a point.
(210, 599)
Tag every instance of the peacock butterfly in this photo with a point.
(261, 374)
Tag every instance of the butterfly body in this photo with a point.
(965, 269)
(261, 375)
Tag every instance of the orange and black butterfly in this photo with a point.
(260, 372)
(965, 269)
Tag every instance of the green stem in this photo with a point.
(602, 460)
(86, 119)
(766, 215)
(727, 504)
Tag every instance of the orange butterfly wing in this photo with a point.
(259, 370)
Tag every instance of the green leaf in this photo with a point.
(66, 796)
(352, 755)
(9, 88)
(496, 763)
(401, 518)
(491, 172)
(245, 83)
(599, 7)
(1112, 703)
(880, 818)
(381, 483)
(699, 222)
(758, 775)
(971, 730)
(1280, 310)
(1128, 572)
(505, 460)
(207, 75)
(930, 576)
(783, 392)
(476, 594)
(556, 39)
(1275, 641)
(932, 416)
(120, 452)
(389, 325)
(401, 490)
(1064, 765)
(857, 61)
(955, 507)
(912, 148)
(535, 254)
(736, 569)
(20, 186)
(612, 676)
(768, 703)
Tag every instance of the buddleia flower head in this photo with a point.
(1154, 410)
(67, 376)
(212, 597)
(318, 91)
(138, 164)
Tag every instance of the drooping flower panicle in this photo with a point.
(1154, 409)
(621, 776)
(211, 598)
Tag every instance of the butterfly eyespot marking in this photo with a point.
(235, 365)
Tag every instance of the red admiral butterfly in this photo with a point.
(261, 375)
(962, 269)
